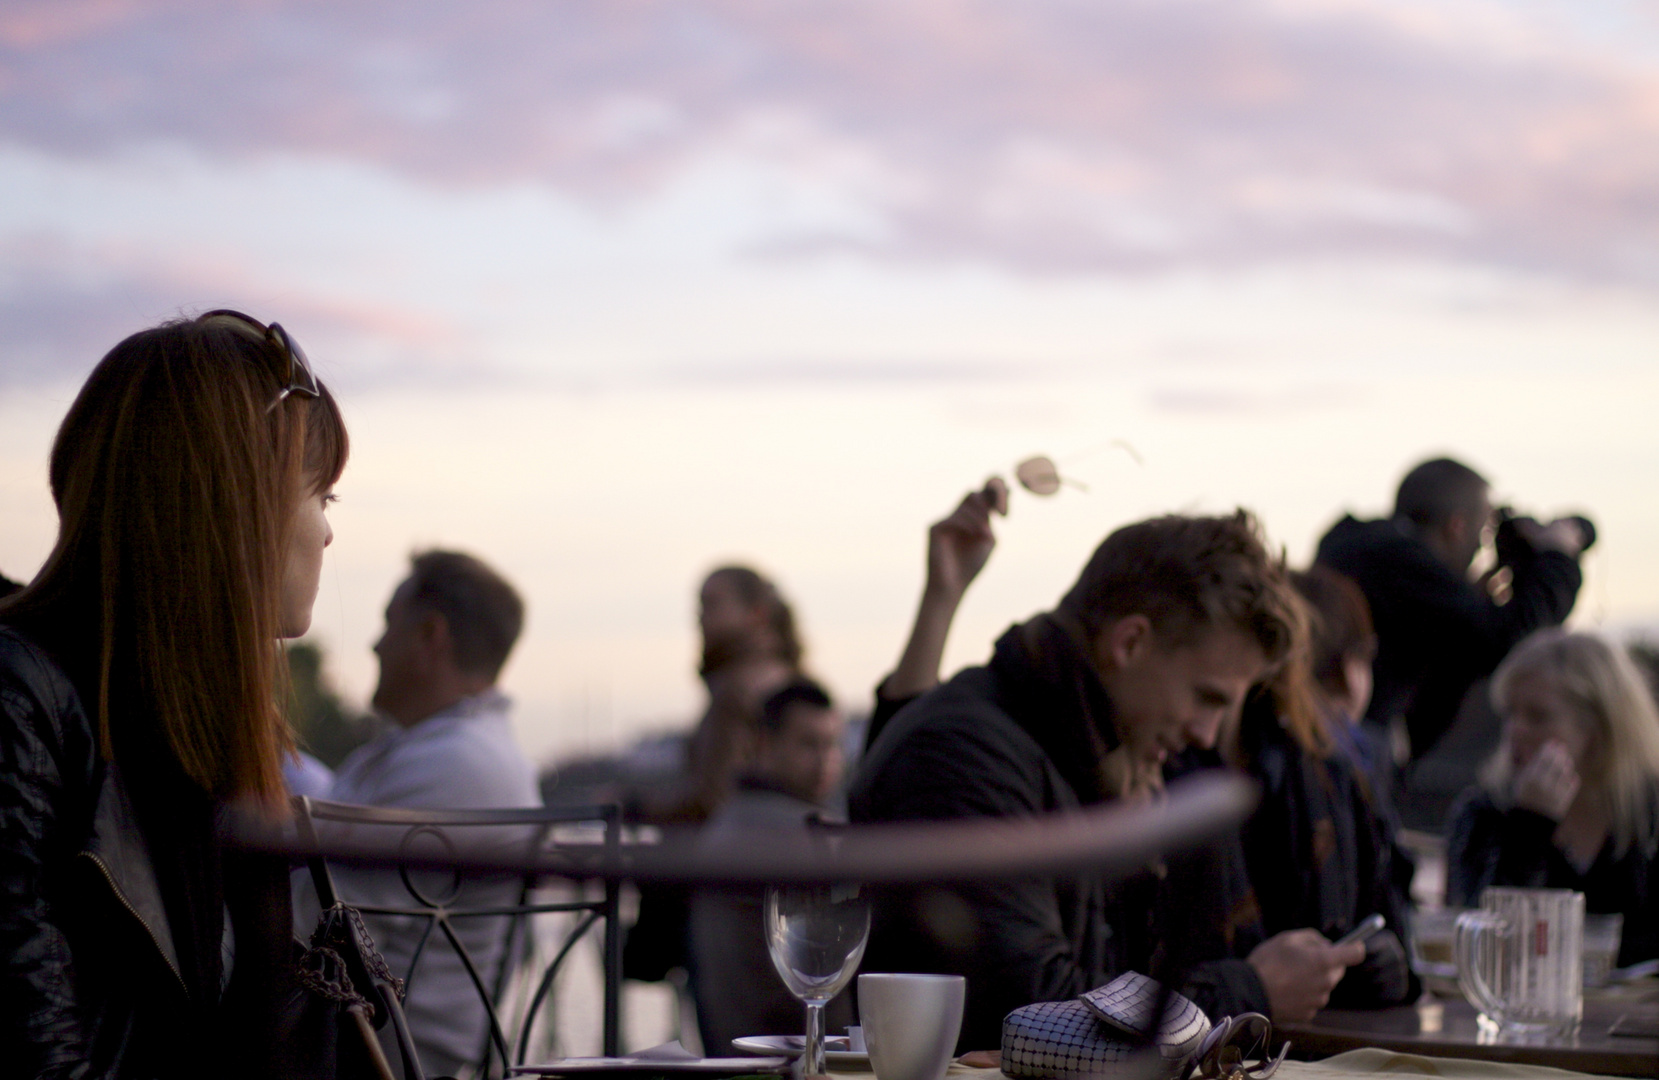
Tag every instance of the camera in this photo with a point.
(1511, 542)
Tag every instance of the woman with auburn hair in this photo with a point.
(139, 678)
(1571, 798)
(1320, 850)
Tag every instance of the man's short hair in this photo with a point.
(484, 613)
(1188, 575)
(1437, 491)
(802, 691)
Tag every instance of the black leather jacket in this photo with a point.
(90, 979)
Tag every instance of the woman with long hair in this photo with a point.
(1571, 798)
(140, 674)
(1320, 850)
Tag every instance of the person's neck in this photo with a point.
(1438, 544)
(435, 704)
(1583, 829)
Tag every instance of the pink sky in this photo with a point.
(1287, 245)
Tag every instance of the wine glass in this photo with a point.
(816, 935)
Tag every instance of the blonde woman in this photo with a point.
(1571, 799)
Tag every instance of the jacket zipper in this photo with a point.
(116, 889)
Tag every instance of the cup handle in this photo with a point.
(1472, 928)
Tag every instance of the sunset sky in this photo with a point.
(613, 292)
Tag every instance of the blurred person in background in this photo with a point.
(1438, 631)
(1571, 799)
(305, 775)
(450, 627)
(750, 650)
(1170, 625)
(1319, 850)
(139, 683)
(796, 773)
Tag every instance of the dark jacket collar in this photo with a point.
(1047, 684)
(117, 847)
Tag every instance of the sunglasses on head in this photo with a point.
(299, 378)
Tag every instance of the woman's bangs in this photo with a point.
(326, 444)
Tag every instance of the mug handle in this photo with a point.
(1478, 931)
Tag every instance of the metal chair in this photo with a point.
(531, 831)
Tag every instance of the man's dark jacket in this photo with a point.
(1436, 631)
(1024, 735)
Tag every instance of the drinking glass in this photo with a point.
(1602, 934)
(1520, 959)
(816, 936)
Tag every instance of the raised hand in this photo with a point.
(1565, 535)
(959, 545)
(957, 548)
(1548, 783)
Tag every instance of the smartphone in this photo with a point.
(1368, 926)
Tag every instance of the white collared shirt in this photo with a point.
(464, 757)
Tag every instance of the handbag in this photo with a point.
(343, 994)
(1105, 1033)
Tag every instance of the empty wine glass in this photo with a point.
(816, 935)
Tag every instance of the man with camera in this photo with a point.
(1438, 631)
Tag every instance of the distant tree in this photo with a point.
(323, 726)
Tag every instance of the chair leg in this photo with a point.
(400, 1026)
(613, 969)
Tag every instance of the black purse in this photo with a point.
(343, 994)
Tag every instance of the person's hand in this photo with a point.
(958, 546)
(1549, 782)
(1299, 969)
(1563, 534)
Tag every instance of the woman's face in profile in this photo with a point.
(1538, 714)
(308, 534)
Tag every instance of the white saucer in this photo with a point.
(639, 1066)
(836, 1054)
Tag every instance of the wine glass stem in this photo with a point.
(812, 1061)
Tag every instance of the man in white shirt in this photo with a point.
(449, 628)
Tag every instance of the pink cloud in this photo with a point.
(63, 306)
(1047, 136)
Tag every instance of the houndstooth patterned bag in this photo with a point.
(1099, 1033)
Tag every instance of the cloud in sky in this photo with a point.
(1052, 136)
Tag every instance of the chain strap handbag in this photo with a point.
(344, 994)
(1104, 1033)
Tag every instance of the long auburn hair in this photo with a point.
(176, 480)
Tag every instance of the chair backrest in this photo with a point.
(532, 830)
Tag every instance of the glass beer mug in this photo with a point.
(1520, 959)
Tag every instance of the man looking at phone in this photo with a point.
(1152, 651)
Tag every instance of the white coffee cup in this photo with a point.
(911, 1023)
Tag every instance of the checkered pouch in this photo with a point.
(1099, 1034)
